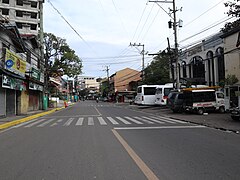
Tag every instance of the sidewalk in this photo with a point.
(213, 119)
(7, 122)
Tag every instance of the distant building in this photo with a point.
(25, 14)
(123, 84)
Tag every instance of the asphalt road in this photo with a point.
(102, 141)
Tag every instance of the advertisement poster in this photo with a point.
(14, 63)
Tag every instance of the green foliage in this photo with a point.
(231, 79)
(61, 59)
(158, 71)
(234, 10)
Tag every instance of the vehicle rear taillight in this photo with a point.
(165, 97)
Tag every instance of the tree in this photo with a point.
(60, 58)
(158, 71)
(234, 11)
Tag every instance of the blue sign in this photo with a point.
(9, 63)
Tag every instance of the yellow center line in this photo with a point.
(144, 168)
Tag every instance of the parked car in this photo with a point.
(175, 101)
(235, 113)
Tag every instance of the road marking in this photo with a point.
(56, 123)
(144, 120)
(25, 123)
(133, 120)
(90, 121)
(69, 121)
(80, 121)
(37, 122)
(46, 122)
(123, 120)
(151, 119)
(101, 121)
(174, 120)
(99, 114)
(159, 127)
(140, 163)
(112, 120)
(162, 119)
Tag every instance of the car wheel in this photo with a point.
(221, 109)
(200, 111)
(235, 118)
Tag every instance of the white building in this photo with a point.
(88, 82)
(24, 13)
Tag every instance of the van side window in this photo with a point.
(220, 95)
(149, 90)
(139, 90)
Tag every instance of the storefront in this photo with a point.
(35, 96)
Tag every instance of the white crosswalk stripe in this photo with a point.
(56, 123)
(90, 121)
(144, 120)
(154, 120)
(69, 121)
(46, 122)
(133, 120)
(103, 121)
(123, 120)
(112, 120)
(80, 122)
(37, 122)
(174, 120)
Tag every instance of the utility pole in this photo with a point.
(108, 84)
(43, 61)
(143, 53)
(175, 37)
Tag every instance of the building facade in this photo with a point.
(25, 14)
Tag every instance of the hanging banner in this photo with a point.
(14, 63)
(12, 83)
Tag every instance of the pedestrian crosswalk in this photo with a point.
(99, 120)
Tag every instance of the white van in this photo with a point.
(146, 95)
(162, 92)
(202, 100)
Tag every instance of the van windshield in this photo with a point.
(167, 91)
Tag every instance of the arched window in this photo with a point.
(221, 64)
(210, 63)
(198, 67)
(184, 66)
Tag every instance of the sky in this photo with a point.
(100, 31)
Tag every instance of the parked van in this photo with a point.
(146, 95)
(200, 100)
(162, 92)
(175, 101)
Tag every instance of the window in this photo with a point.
(19, 13)
(19, 25)
(167, 91)
(34, 15)
(34, 4)
(33, 27)
(28, 56)
(149, 90)
(5, 1)
(139, 90)
(19, 2)
(5, 11)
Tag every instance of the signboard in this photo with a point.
(12, 83)
(14, 63)
(35, 74)
(36, 87)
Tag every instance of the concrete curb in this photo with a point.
(16, 122)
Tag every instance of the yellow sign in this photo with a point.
(14, 63)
